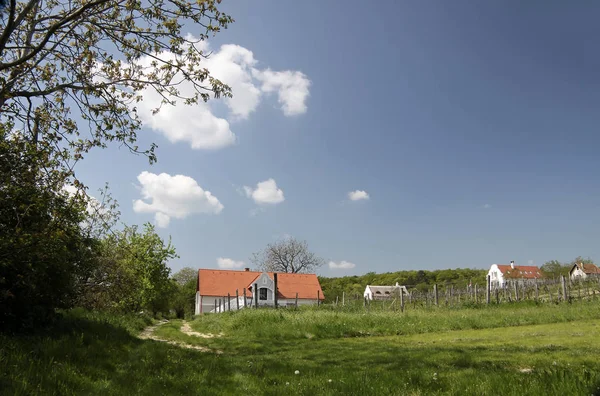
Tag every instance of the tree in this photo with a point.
(42, 247)
(552, 268)
(287, 255)
(130, 272)
(183, 300)
(142, 274)
(63, 61)
(185, 275)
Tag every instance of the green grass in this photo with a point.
(326, 322)
(527, 350)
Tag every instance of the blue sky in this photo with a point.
(473, 127)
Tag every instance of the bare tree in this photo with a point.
(288, 255)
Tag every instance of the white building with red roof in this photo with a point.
(216, 290)
(500, 274)
(582, 271)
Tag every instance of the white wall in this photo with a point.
(578, 273)
(496, 276)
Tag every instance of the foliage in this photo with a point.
(184, 297)
(185, 276)
(64, 61)
(42, 247)
(131, 273)
(287, 255)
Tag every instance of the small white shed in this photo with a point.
(384, 292)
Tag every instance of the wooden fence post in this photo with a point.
(475, 292)
(237, 299)
(452, 295)
(244, 291)
(318, 298)
(343, 299)
(228, 302)
(497, 296)
(275, 289)
(537, 291)
(215, 310)
(564, 287)
(401, 300)
(220, 305)
(516, 291)
(296, 300)
(256, 295)
(435, 292)
(487, 289)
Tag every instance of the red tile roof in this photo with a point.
(521, 271)
(220, 282)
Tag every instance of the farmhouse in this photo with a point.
(221, 286)
(582, 271)
(384, 292)
(501, 274)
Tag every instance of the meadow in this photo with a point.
(521, 348)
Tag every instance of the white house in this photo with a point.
(384, 292)
(582, 271)
(216, 290)
(499, 274)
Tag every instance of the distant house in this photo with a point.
(214, 287)
(582, 271)
(501, 274)
(384, 292)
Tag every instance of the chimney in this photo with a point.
(512, 264)
(247, 269)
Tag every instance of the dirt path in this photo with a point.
(148, 334)
(187, 329)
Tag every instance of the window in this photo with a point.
(387, 292)
(377, 292)
(262, 293)
(264, 281)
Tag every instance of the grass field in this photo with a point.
(518, 349)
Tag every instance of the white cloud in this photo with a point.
(173, 196)
(266, 192)
(227, 263)
(487, 206)
(358, 195)
(341, 265)
(235, 66)
(291, 87)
